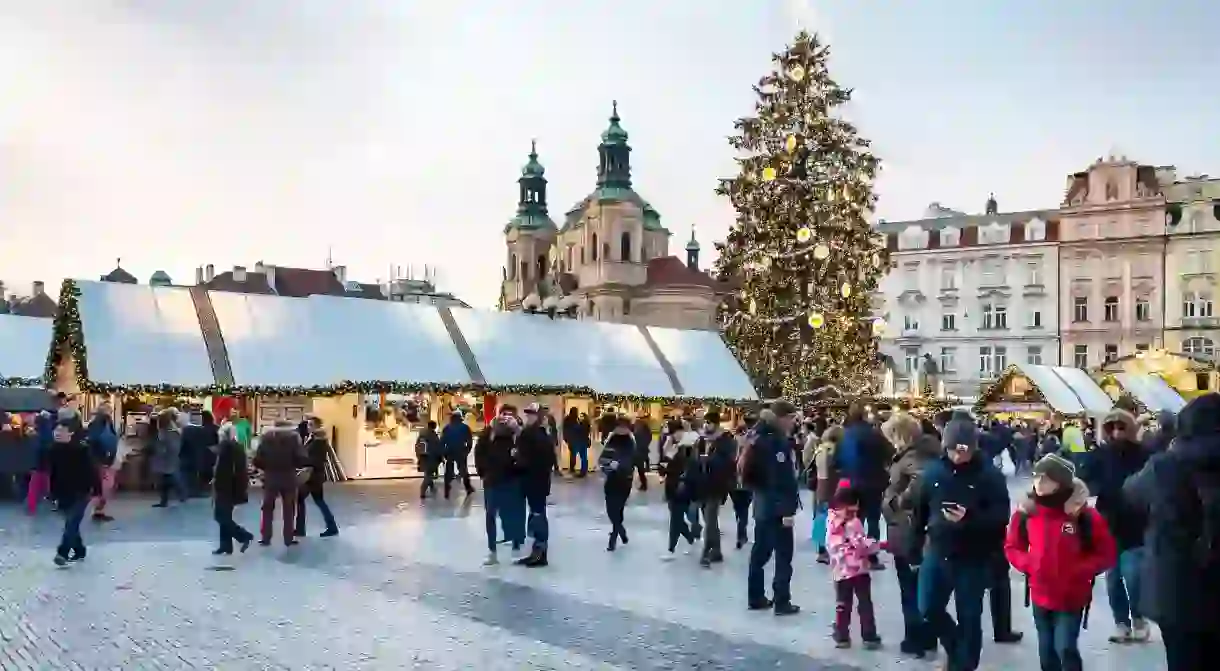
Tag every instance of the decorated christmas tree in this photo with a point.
(802, 254)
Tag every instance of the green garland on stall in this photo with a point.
(69, 336)
(22, 382)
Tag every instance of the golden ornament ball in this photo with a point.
(803, 234)
(766, 262)
(821, 252)
(768, 174)
(845, 290)
(876, 260)
(816, 320)
(753, 306)
(796, 73)
(790, 143)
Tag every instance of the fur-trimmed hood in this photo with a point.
(1120, 416)
(1077, 502)
(902, 430)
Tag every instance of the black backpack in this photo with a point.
(751, 464)
(1085, 524)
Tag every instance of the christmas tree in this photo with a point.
(802, 254)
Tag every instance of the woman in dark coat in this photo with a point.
(230, 488)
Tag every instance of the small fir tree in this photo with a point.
(802, 254)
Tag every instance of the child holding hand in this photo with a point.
(851, 553)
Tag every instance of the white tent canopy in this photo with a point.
(140, 334)
(1152, 391)
(703, 363)
(24, 345)
(522, 349)
(1068, 390)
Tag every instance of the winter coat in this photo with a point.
(279, 455)
(642, 433)
(863, 457)
(897, 504)
(1159, 440)
(197, 441)
(456, 438)
(719, 466)
(103, 439)
(850, 548)
(231, 477)
(166, 453)
(824, 464)
(74, 475)
(779, 495)
(536, 458)
(616, 462)
(317, 449)
(1180, 491)
(1051, 553)
(493, 454)
(1109, 466)
(980, 488)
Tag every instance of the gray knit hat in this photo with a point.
(1057, 469)
(960, 431)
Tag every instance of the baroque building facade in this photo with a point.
(1192, 325)
(972, 292)
(608, 259)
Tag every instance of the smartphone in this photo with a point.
(949, 505)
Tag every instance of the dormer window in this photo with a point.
(993, 234)
(913, 237)
(950, 237)
(1035, 230)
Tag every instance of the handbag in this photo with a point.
(303, 475)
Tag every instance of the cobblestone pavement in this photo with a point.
(402, 587)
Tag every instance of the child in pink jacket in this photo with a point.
(851, 551)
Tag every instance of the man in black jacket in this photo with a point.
(317, 446)
(495, 460)
(642, 432)
(536, 456)
(615, 463)
(74, 482)
(230, 488)
(717, 452)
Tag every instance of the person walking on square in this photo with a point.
(456, 441)
(279, 456)
(642, 431)
(430, 453)
(717, 462)
(165, 463)
(615, 463)
(576, 435)
(230, 488)
(536, 456)
(851, 551)
(495, 461)
(767, 466)
(317, 448)
(104, 446)
(677, 497)
(825, 481)
(74, 481)
(740, 495)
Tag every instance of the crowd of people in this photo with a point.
(1137, 505)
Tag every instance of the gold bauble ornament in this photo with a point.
(796, 73)
(816, 320)
(821, 252)
(766, 262)
(753, 306)
(790, 143)
(803, 234)
(878, 326)
(768, 174)
(876, 260)
(845, 290)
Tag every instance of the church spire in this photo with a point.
(614, 167)
(532, 199)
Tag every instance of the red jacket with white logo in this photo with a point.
(1060, 569)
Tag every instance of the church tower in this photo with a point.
(529, 237)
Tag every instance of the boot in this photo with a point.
(613, 541)
(537, 559)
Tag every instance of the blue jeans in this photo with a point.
(578, 451)
(1123, 587)
(965, 581)
(914, 631)
(771, 537)
(818, 534)
(504, 502)
(71, 539)
(539, 527)
(1058, 634)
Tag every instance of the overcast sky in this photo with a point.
(176, 133)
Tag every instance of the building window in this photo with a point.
(1204, 304)
(993, 273)
(948, 359)
(582, 256)
(910, 323)
(593, 246)
(1143, 310)
(1198, 345)
(948, 277)
(995, 316)
(512, 267)
(1080, 357)
(1196, 305)
(1080, 309)
(911, 357)
(1035, 319)
(950, 237)
(1033, 273)
(1001, 316)
(624, 245)
(1111, 353)
(1001, 360)
(948, 321)
(984, 361)
(1141, 347)
(1033, 355)
(1110, 309)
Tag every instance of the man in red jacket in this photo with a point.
(1061, 545)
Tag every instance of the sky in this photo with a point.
(178, 133)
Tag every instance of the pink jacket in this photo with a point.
(849, 547)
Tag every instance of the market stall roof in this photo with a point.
(703, 363)
(24, 344)
(139, 335)
(1150, 390)
(1069, 391)
(324, 341)
(516, 349)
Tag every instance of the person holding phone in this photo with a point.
(959, 516)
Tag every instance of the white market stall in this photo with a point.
(1151, 392)
(1032, 390)
(705, 366)
(24, 343)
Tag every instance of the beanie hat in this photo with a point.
(1056, 469)
(845, 495)
(960, 431)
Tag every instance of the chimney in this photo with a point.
(341, 274)
(260, 268)
(209, 273)
(199, 275)
(40, 288)
(239, 273)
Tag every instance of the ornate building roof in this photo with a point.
(531, 203)
(119, 275)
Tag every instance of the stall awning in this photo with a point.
(1153, 392)
(703, 363)
(24, 345)
(515, 349)
(1069, 391)
(140, 335)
